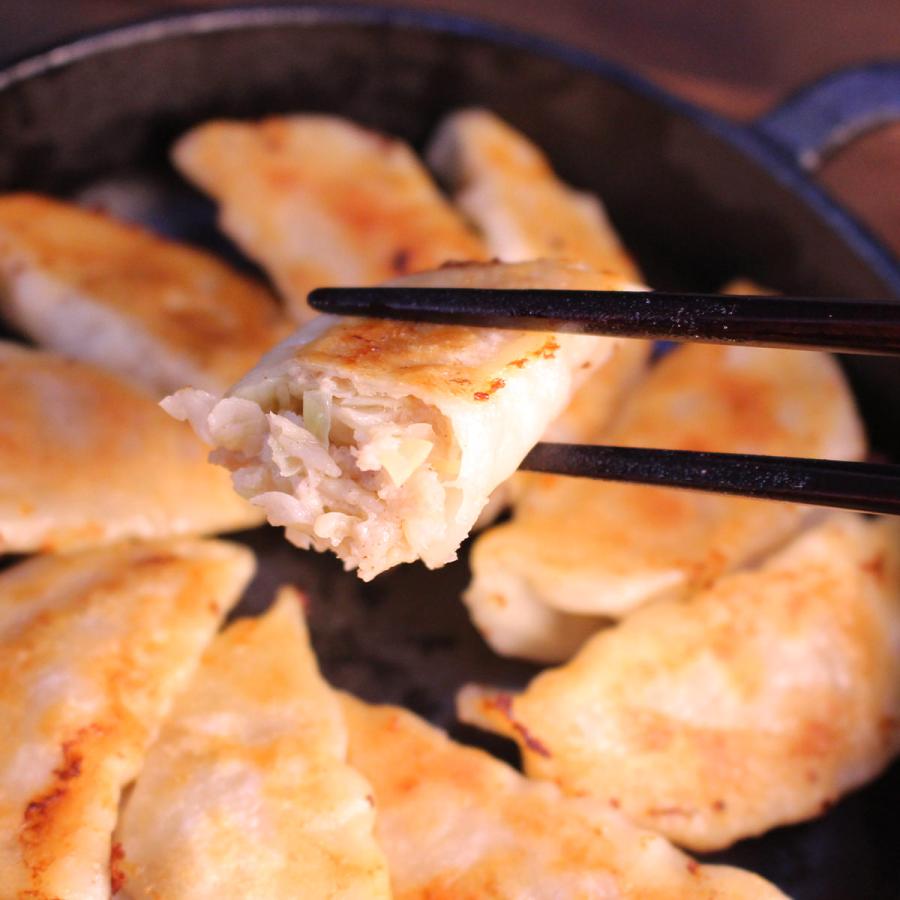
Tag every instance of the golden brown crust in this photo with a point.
(484, 397)
(87, 459)
(211, 321)
(320, 201)
(453, 360)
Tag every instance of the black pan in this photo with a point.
(699, 200)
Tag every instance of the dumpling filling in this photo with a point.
(368, 477)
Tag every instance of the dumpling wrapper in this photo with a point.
(456, 823)
(93, 647)
(593, 406)
(87, 459)
(507, 187)
(162, 314)
(246, 792)
(752, 705)
(319, 201)
(578, 550)
(382, 440)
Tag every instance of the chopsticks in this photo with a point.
(836, 324)
(864, 487)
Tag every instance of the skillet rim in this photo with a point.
(759, 150)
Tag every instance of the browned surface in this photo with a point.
(507, 187)
(450, 360)
(285, 177)
(257, 721)
(735, 56)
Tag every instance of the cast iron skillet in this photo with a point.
(699, 200)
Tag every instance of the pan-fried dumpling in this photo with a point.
(456, 823)
(162, 314)
(246, 792)
(382, 440)
(505, 184)
(590, 548)
(754, 704)
(317, 201)
(93, 647)
(87, 459)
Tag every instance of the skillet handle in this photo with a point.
(826, 115)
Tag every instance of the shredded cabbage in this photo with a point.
(295, 450)
(317, 414)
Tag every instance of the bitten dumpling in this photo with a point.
(382, 440)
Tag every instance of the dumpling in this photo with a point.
(507, 187)
(93, 647)
(87, 459)
(382, 440)
(317, 201)
(159, 313)
(456, 823)
(246, 792)
(579, 549)
(754, 704)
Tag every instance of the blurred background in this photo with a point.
(737, 57)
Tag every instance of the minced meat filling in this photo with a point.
(362, 475)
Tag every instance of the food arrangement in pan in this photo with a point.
(719, 666)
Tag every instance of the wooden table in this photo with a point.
(737, 57)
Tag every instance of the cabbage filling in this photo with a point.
(365, 476)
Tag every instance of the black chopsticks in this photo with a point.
(839, 325)
(864, 487)
(834, 324)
